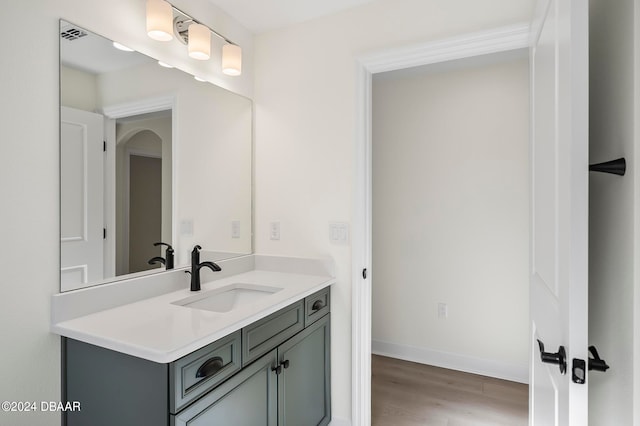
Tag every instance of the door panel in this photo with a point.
(81, 198)
(559, 208)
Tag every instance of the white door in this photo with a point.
(81, 198)
(559, 211)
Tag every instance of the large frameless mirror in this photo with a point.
(148, 155)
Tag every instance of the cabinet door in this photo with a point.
(304, 386)
(246, 399)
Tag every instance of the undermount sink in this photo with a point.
(227, 298)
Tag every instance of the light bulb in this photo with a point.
(199, 42)
(159, 20)
(231, 59)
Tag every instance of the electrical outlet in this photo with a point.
(443, 311)
(274, 230)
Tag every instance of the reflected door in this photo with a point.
(81, 199)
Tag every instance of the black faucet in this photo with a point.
(167, 261)
(196, 265)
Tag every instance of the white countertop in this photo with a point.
(157, 330)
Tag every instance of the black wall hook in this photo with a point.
(616, 167)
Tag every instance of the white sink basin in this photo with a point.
(227, 298)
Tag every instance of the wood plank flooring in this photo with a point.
(410, 394)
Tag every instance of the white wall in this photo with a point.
(612, 247)
(305, 129)
(213, 130)
(82, 90)
(451, 217)
(29, 172)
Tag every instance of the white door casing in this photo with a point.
(81, 198)
(468, 45)
(559, 209)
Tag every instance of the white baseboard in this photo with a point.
(486, 367)
(337, 421)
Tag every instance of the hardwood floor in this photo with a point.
(409, 394)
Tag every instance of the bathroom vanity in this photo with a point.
(193, 359)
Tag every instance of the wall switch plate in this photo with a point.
(235, 229)
(274, 230)
(443, 311)
(186, 227)
(339, 233)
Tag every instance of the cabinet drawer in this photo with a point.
(196, 373)
(316, 306)
(250, 398)
(267, 333)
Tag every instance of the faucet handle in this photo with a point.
(168, 254)
(195, 256)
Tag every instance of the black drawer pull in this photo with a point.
(317, 305)
(210, 367)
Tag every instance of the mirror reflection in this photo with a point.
(152, 162)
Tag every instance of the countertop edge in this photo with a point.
(172, 355)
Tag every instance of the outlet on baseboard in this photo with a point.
(443, 310)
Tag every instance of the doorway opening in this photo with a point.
(450, 240)
(499, 40)
(143, 192)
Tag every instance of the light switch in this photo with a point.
(338, 232)
(235, 229)
(186, 227)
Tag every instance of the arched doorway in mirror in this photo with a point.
(143, 190)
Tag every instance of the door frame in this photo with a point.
(123, 110)
(466, 46)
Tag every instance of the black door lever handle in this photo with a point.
(597, 363)
(559, 358)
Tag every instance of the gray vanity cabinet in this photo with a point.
(273, 372)
(304, 384)
(290, 386)
(247, 399)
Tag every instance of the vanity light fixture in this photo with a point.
(199, 42)
(192, 33)
(159, 20)
(231, 59)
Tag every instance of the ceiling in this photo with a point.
(92, 53)
(259, 16)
